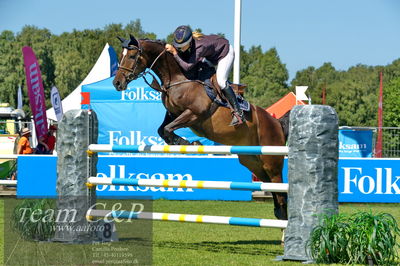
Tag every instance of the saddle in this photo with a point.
(237, 88)
(214, 92)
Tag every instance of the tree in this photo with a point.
(391, 106)
(265, 76)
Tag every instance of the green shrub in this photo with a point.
(373, 237)
(34, 219)
(361, 238)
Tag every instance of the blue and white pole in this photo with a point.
(191, 149)
(225, 185)
(253, 222)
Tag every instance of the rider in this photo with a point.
(191, 48)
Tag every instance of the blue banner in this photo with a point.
(204, 168)
(369, 180)
(355, 143)
(173, 168)
(359, 180)
(36, 176)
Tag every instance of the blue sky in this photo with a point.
(305, 32)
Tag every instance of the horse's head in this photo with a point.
(132, 63)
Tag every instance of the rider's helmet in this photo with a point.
(182, 36)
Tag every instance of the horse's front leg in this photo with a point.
(185, 119)
(171, 138)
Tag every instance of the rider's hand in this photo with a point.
(170, 49)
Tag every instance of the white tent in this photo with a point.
(105, 67)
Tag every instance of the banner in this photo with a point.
(355, 143)
(369, 180)
(216, 168)
(34, 84)
(56, 103)
(359, 180)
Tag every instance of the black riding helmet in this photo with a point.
(182, 36)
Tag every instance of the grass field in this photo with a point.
(202, 244)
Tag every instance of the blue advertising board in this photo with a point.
(369, 180)
(205, 168)
(355, 143)
(359, 180)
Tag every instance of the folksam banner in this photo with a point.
(355, 143)
(360, 180)
(369, 180)
(34, 84)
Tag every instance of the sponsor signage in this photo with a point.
(355, 143)
(369, 180)
(360, 180)
(173, 168)
(218, 168)
(34, 83)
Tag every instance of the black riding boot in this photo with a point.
(238, 115)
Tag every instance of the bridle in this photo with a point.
(131, 72)
(155, 84)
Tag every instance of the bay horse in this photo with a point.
(188, 105)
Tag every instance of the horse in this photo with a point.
(188, 105)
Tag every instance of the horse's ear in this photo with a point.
(133, 41)
(121, 39)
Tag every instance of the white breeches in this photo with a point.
(224, 67)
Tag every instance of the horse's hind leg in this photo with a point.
(261, 167)
(272, 166)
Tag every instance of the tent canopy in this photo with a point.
(105, 67)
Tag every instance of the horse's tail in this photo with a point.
(284, 120)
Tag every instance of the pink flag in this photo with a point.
(35, 91)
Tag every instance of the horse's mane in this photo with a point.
(163, 43)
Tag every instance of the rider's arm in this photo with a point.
(189, 64)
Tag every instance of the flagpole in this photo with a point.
(378, 146)
(236, 63)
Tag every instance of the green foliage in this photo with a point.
(353, 93)
(34, 219)
(327, 244)
(357, 239)
(391, 104)
(265, 76)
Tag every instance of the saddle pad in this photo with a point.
(243, 104)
